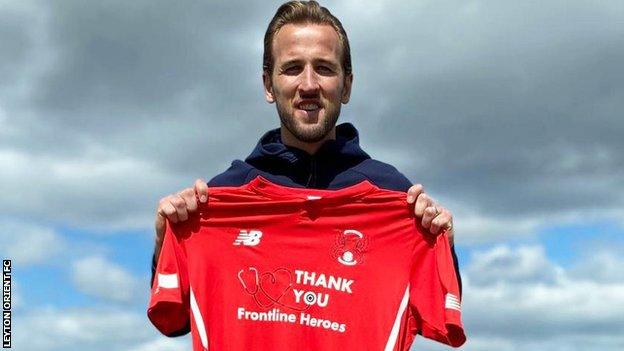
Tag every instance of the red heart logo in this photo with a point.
(275, 285)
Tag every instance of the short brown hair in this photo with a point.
(303, 12)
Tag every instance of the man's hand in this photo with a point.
(433, 216)
(177, 207)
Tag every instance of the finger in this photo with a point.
(160, 227)
(168, 210)
(427, 217)
(413, 192)
(188, 195)
(422, 202)
(201, 188)
(448, 223)
(440, 221)
(180, 207)
(448, 226)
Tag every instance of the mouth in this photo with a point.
(309, 106)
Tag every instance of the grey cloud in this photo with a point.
(524, 265)
(602, 266)
(118, 71)
(116, 58)
(489, 95)
(491, 82)
(15, 42)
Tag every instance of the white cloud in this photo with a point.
(473, 343)
(556, 343)
(517, 294)
(17, 298)
(88, 329)
(601, 266)
(477, 227)
(29, 244)
(165, 344)
(526, 264)
(104, 279)
(99, 190)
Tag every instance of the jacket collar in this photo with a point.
(333, 157)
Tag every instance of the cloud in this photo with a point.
(101, 190)
(524, 265)
(17, 298)
(601, 266)
(102, 118)
(165, 344)
(99, 277)
(475, 227)
(518, 295)
(88, 328)
(478, 227)
(510, 109)
(493, 343)
(29, 244)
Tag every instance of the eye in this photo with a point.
(325, 69)
(291, 70)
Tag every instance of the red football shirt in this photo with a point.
(268, 267)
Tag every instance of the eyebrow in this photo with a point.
(290, 62)
(298, 61)
(327, 62)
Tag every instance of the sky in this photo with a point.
(506, 111)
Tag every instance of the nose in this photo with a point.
(309, 81)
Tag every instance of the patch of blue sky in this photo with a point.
(49, 285)
(565, 244)
(463, 255)
(131, 249)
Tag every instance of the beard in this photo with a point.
(305, 133)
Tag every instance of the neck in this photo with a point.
(311, 148)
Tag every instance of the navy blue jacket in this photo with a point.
(337, 164)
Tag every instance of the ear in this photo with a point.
(268, 87)
(346, 91)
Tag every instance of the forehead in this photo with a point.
(306, 41)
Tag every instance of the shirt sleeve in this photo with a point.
(168, 308)
(435, 299)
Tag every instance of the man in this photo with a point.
(307, 74)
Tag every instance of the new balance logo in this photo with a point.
(248, 238)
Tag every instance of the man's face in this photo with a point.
(308, 83)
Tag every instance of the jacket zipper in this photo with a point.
(312, 177)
